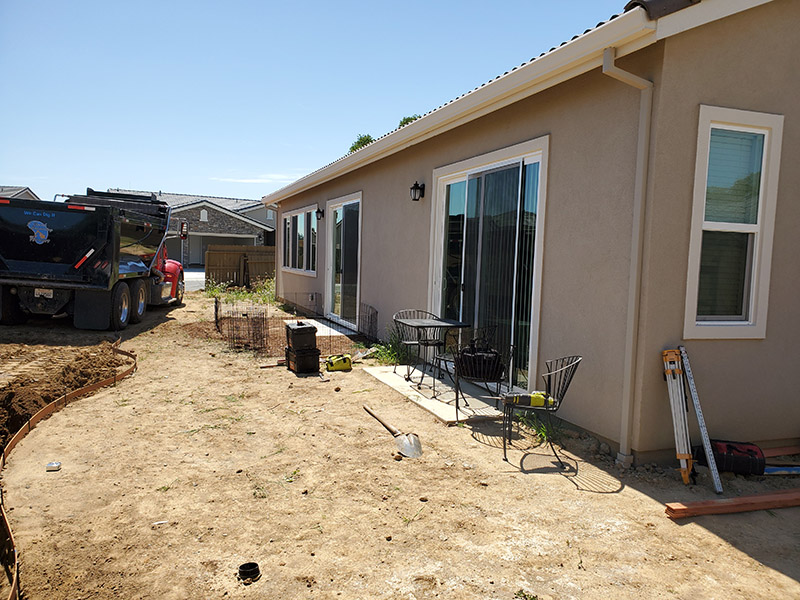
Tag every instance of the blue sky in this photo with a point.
(239, 98)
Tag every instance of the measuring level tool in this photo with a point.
(712, 464)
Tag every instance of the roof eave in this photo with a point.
(628, 32)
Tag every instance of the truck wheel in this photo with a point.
(179, 291)
(138, 300)
(120, 306)
(10, 311)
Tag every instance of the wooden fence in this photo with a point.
(239, 265)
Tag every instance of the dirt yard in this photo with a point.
(203, 460)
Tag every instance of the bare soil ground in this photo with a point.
(203, 460)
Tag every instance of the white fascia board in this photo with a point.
(629, 32)
(701, 14)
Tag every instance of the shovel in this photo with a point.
(408, 444)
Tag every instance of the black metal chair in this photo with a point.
(443, 361)
(478, 363)
(420, 338)
(556, 382)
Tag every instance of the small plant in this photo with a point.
(523, 595)
(291, 477)
(166, 488)
(409, 520)
(393, 351)
(259, 491)
(539, 427)
(214, 289)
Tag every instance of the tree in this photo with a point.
(406, 120)
(363, 139)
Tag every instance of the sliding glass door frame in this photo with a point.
(533, 151)
(330, 207)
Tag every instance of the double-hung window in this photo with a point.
(733, 218)
(300, 240)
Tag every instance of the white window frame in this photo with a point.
(535, 150)
(203, 215)
(771, 126)
(288, 216)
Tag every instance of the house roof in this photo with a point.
(658, 8)
(233, 207)
(15, 191)
(629, 32)
(179, 200)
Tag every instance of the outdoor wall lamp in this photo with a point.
(320, 213)
(417, 191)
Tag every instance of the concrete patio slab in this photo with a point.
(479, 403)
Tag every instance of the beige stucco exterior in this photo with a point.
(591, 122)
(748, 388)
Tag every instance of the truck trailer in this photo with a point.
(99, 258)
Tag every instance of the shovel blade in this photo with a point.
(408, 445)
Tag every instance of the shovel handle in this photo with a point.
(395, 432)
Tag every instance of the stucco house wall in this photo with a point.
(747, 388)
(591, 124)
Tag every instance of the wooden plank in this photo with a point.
(781, 499)
(782, 451)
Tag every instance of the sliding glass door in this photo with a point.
(490, 230)
(344, 261)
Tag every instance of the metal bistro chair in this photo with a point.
(478, 363)
(443, 361)
(416, 337)
(556, 382)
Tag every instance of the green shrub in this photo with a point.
(261, 291)
(392, 351)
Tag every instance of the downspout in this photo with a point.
(625, 455)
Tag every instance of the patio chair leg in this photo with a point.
(409, 368)
(550, 439)
(458, 391)
(505, 431)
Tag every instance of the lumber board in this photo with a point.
(782, 451)
(719, 506)
(783, 463)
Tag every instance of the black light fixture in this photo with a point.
(320, 213)
(417, 191)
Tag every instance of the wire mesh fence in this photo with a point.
(262, 327)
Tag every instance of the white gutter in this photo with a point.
(628, 33)
(625, 455)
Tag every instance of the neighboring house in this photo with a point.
(629, 191)
(212, 220)
(17, 191)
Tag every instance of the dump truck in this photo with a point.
(99, 258)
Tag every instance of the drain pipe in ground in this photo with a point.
(625, 455)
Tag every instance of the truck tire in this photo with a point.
(10, 311)
(138, 300)
(120, 306)
(179, 291)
